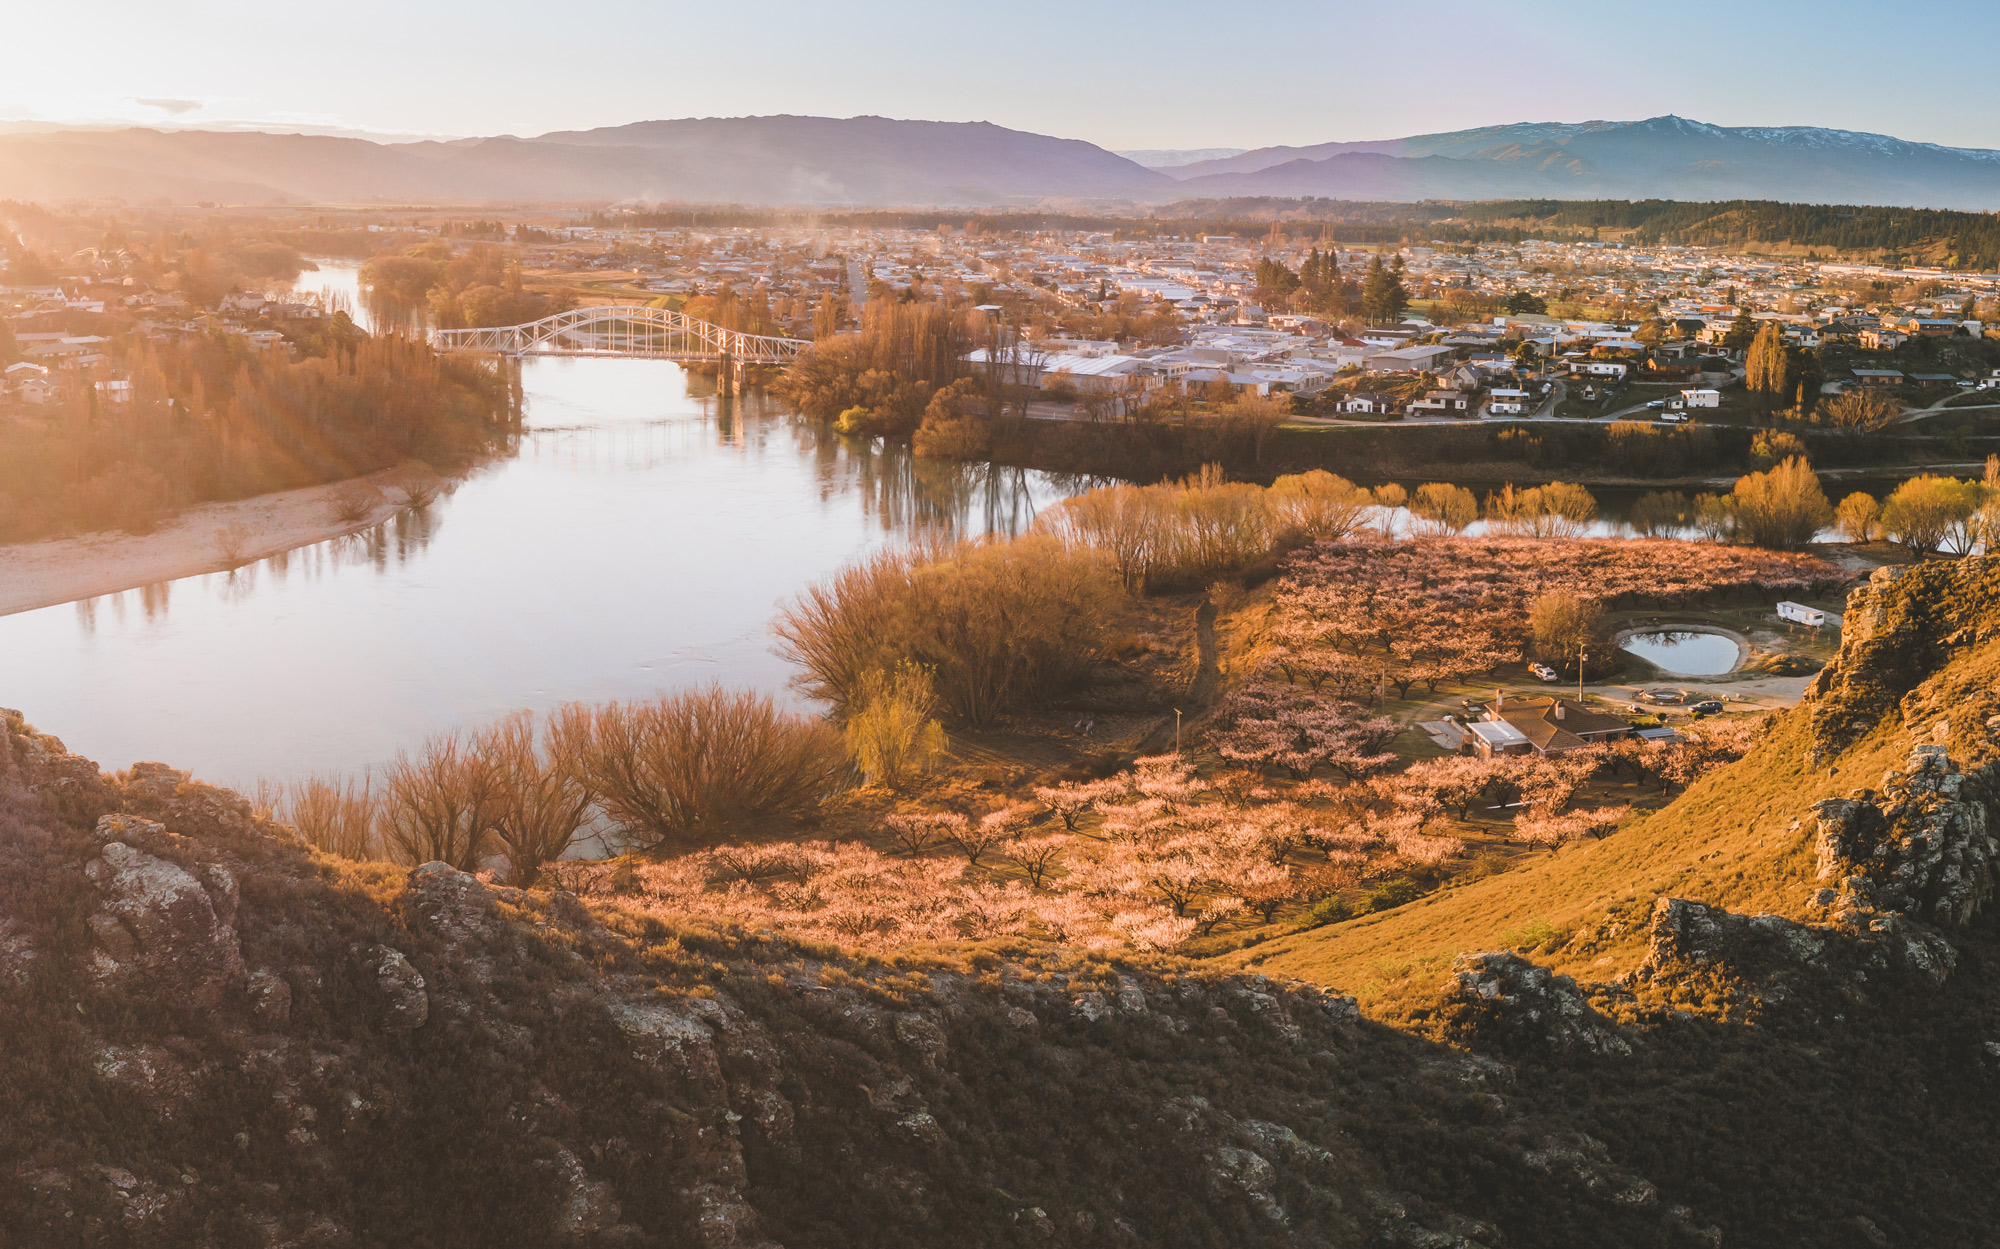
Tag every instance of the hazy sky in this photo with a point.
(1164, 73)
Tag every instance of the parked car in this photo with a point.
(1543, 671)
(1656, 403)
(1709, 708)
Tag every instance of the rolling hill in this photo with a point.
(875, 161)
(754, 160)
(1659, 158)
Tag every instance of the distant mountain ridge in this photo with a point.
(781, 160)
(794, 161)
(1170, 158)
(1658, 158)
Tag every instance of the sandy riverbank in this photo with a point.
(63, 570)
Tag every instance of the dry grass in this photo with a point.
(1727, 840)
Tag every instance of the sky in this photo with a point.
(1159, 74)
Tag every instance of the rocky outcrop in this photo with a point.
(1923, 845)
(1746, 967)
(1501, 1002)
(156, 926)
(1904, 625)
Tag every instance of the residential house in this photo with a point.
(1367, 404)
(1550, 726)
(1702, 397)
(1879, 338)
(1507, 401)
(1878, 377)
(1600, 368)
(1442, 403)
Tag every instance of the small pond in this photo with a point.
(1686, 652)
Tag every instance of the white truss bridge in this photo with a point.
(628, 331)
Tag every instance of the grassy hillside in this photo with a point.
(1730, 840)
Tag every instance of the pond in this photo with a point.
(1685, 652)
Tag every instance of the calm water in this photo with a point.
(1685, 653)
(640, 540)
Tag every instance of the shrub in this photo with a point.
(1859, 517)
(353, 501)
(1329, 911)
(439, 805)
(1393, 893)
(1565, 625)
(543, 802)
(892, 734)
(697, 767)
(1782, 508)
(334, 814)
(1442, 508)
(998, 624)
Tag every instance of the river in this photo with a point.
(640, 539)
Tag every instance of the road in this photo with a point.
(859, 270)
(1939, 409)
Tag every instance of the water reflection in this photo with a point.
(639, 536)
(1685, 652)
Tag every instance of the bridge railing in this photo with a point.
(623, 330)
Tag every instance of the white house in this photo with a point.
(1367, 404)
(1601, 368)
(1407, 359)
(1444, 402)
(1507, 401)
(1702, 398)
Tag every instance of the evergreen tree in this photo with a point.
(1319, 279)
(1742, 332)
(1382, 295)
(1275, 283)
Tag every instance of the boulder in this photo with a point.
(402, 1000)
(1501, 1001)
(156, 924)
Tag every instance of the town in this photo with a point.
(1450, 333)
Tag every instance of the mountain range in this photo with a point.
(876, 161)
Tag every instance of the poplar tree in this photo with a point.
(1764, 367)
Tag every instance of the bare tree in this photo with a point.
(543, 803)
(690, 769)
(440, 806)
(336, 815)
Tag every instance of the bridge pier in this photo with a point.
(725, 375)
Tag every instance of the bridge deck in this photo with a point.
(624, 331)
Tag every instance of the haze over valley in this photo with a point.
(886, 626)
(883, 162)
